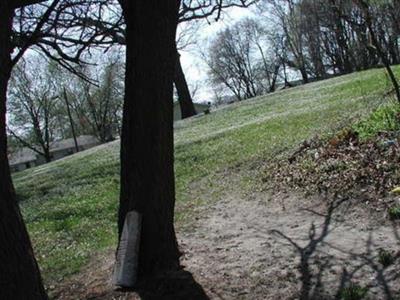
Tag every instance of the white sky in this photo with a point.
(193, 66)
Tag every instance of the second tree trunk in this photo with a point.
(184, 97)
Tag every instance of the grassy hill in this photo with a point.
(70, 205)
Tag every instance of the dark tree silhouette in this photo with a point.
(147, 169)
(20, 276)
(182, 89)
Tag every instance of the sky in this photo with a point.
(193, 66)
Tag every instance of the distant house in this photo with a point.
(22, 159)
(26, 158)
(66, 147)
(199, 107)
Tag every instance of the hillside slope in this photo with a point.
(70, 205)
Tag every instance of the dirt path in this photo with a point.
(275, 248)
(289, 248)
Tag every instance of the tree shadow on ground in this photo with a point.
(179, 285)
(97, 284)
(316, 260)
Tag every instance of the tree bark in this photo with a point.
(304, 74)
(147, 146)
(184, 97)
(19, 276)
(71, 120)
(47, 155)
(272, 86)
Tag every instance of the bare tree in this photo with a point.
(32, 106)
(289, 18)
(332, 37)
(64, 30)
(239, 58)
(70, 118)
(268, 52)
(376, 43)
(98, 107)
(311, 25)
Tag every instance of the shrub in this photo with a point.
(353, 292)
(394, 212)
(385, 118)
(385, 257)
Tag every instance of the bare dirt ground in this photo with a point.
(289, 248)
(272, 247)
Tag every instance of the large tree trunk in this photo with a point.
(147, 146)
(19, 272)
(184, 97)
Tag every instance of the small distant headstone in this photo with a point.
(126, 266)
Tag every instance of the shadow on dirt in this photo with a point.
(178, 285)
(363, 275)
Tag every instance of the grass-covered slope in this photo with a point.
(70, 205)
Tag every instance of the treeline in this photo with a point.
(303, 39)
(48, 103)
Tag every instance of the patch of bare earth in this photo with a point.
(285, 247)
(272, 247)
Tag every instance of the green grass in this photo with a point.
(384, 118)
(353, 292)
(394, 212)
(70, 205)
(385, 257)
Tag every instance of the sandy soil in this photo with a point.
(272, 247)
(290, 248)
